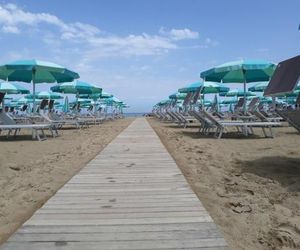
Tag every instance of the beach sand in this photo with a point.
(250, 186)
(32, 171)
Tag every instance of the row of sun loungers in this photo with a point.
(219, 123)
(45, 121)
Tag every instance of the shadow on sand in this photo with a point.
(285, 170)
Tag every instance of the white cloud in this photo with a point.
(10, 29)
(179, 34)
(88, 41)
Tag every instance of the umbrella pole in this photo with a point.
(245, 83)
(33, 87)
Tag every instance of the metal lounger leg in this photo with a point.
(264, 131)
(271, 132)
(221, 133)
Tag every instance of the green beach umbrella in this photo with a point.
(237, 93)
(23, 100)
(193, 87)
(259, 87)
(229, 101)
(81, 101)
(77, 87)
(242, 71)
(206, 87)
(164, 102)
(266, 100)
(213, 87)
(178, 96)
(12, 88)
(36, 71)
(46, 95)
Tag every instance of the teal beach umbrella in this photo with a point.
(36, 71)
(242, 71)
(259, 87)
(12, 88)
(229, 101)
(237, 93)
(46, 95)
(77, 87)
(191, 87)
(178, 96)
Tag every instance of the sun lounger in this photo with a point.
(206, 125)
(10, 125)
(292, 117)
(222, 125)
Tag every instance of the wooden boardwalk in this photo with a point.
(131, 196)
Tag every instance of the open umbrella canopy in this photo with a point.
(191, 87)
(24, 100)
(178, 96)
(240, 71)
(266, 100)
(36, 71)
(76, 87)
(292, 94)
(96, 96)
(81, 101)
(12, 88)
(164, 102)
(229, 101)
(206, 87)
(238, 93)
(106, 95)
(259, 87)
(213, 87)
(46, 95)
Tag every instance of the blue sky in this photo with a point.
(142, 51)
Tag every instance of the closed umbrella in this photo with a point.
(66, 107)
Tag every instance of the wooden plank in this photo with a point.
(130, 196)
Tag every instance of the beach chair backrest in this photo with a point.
(260, 106)
(239, 104)
(187, 99)
(253, 103)
(51, 105)
(24, 107)
(43, 104)
(1, 97)
(196, 96)
(6, 120)
(211, 118)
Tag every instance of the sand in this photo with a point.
(32, 171)
(250, 186)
